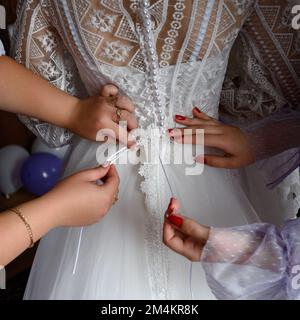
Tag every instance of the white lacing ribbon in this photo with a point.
(77, 251)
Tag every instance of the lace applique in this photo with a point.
(49, 70)
(242, 5)
(48, 41)
(286, 16)
(45, 54)
(173, 33)
(156, 202)
(116, 51)
(263, 74)
(134, 4)
(113, 5)
(101, 20)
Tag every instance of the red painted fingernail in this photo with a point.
(176, 220)
(197, 109)
(179, 117)
(170, 131)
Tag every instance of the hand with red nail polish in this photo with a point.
(232, 141)
(183, 235)
(198, 121)
(176, 220)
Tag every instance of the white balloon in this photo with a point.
(40, 146)
(11, 160)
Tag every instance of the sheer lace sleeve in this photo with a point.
(263, 74)
(256, 261)
(39, 47)
(272, 136)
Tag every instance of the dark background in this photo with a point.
(12, 131)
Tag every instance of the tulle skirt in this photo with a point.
(120, 257)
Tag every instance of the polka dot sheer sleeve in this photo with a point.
(257, 261)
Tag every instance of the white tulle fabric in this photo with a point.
(123, 256)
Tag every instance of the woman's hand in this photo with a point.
(183, 235)
(76, 201)
(104, 112)
(33, 96)
(231, 140)
(79, 201)
(83, 117)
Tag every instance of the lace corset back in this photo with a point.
(109, 42)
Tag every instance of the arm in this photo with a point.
(255, 261)
(55, 64)
(241, 147)
(45, 54)
(76, 201)
(262, 82)
(23, 92)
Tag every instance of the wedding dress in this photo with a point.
(167, 56)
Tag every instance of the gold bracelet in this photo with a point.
(27, 225)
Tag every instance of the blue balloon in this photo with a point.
(41, 172)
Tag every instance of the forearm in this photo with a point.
(23, 92)
(256, 260)
(14, 237)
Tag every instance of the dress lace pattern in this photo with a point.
(101, 41)
(263, 74)
(263, 77)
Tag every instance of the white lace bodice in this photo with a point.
(191, 41)
(263, 72)
(134, 85)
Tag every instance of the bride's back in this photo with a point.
(191, 41)
(192, 29)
